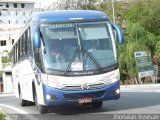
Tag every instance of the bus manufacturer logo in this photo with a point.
(83, 73)
(85, 86)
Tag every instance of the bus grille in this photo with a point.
(77, 96)
(79, 87)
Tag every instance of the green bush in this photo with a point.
(1, 116)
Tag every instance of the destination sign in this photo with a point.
(64, 25)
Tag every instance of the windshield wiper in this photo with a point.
(89, 55)
(93, 60)
(71, 61)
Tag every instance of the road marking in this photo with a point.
(20, 111)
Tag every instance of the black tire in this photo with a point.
(97, 104)
(22, 102)
(41, 108)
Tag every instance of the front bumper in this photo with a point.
(64, 97)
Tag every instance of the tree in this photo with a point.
(75, 4)
(142, 33)
(133, 42)
(6, 58)
(147, 14)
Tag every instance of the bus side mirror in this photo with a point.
(37, 40)
(119, 33)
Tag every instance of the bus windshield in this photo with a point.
(78, 46)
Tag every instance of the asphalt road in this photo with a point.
(135, 103)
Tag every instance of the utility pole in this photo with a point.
(113, 12)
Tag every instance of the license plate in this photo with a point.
(85, 100)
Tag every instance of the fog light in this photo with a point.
(51, 97)
(117, 91)
(48, 97)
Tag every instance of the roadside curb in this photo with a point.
(6, 94)
(141, 86)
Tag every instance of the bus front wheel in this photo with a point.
(22, 102)
(41, 108)
(97, 104)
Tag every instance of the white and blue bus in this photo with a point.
(67, 57)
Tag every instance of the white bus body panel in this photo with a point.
(23, 75)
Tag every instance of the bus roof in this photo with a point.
(69, 15)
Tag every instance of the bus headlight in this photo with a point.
(50, 81)
(115, 79)
(111, 80)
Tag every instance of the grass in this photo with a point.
(1, 115)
